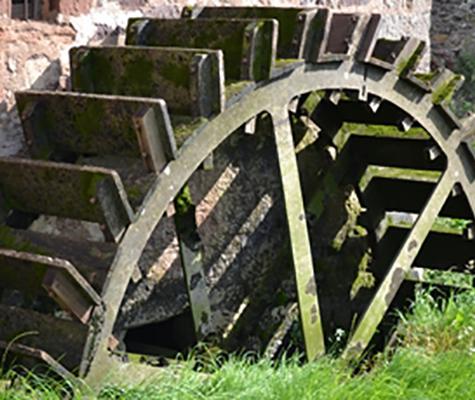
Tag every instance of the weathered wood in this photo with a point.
(60, 124)
(191, 81)
(249, 46)
(91, 259)
(293, 23)
(31, 357)
(191, 254)
(275, 344)
(30, 273)
(27, 327)
(299, 239)
(65, 190)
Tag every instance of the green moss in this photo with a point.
(364, 279)
(10, 241)
(286, 26)
(426, 77)
(312, 101)
(233, 47)
(263, 57)
(405, 66)
(234, 88)
(446, 91)
(185, 126)
(90, 184)
(373, 171)
(317, 203)
(448, 278)
(88, 121)
(349, 227)
(178, 74)
(95, 74)
(386, 131)
(183, 201)
(284, 62)
(450, 225)
(134, 193)
(138, 74)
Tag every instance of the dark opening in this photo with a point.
(26, 9)
(166, 338)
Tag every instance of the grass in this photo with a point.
(434, 359)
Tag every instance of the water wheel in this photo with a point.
(258, 178)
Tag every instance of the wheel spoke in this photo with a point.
(299, 239)
(399, 268)
(192, 263)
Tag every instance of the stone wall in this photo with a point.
(453, 46)
(453, 25)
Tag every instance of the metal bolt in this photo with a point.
(406, 123)
(470, 232)
(456, 191)
(375, 103)
(433, 153)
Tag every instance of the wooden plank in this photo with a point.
(191, 254)
(293, 23)
(31, 357)
(240, 40)
(35, 330)
(299, 239)
(157, 72)
(91, 259)
(65, 190)
(30, 272)
(156, 150)
(275, 344)
(60, 124)
(457, 280)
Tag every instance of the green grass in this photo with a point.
(434, 359)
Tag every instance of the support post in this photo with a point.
(298, 232)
